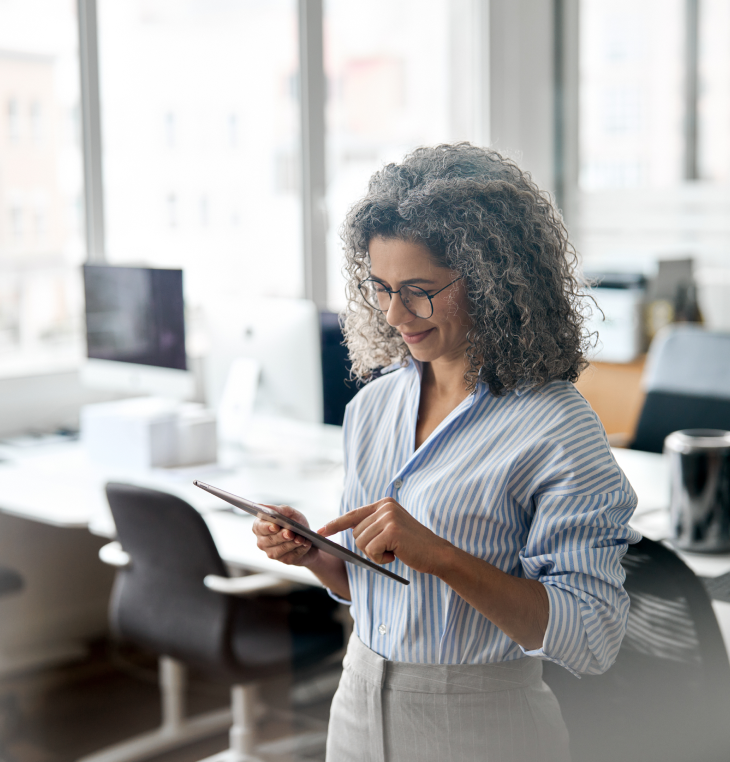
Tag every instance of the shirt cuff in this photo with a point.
(539, 653)
(337, 597)
(534, 652)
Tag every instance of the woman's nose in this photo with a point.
(397, 314)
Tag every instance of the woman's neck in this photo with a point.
(445, 381)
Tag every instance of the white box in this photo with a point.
(197, 438)
(148, 432)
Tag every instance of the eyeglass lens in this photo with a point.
(414, 299)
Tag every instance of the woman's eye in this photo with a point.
(380, 288)
(415, 293)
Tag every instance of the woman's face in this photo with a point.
(442, 337)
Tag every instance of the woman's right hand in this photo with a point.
(282, 544)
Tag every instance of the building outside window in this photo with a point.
(192, 127)
(390, 92)
(654, 120)
(40, 165)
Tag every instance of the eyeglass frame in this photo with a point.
(390, 293)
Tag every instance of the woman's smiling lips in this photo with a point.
(414, 338)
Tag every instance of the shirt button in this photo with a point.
(398, 483)
(382, 629)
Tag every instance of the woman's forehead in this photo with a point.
(400, 257)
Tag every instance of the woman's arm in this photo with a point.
(519, 607)
(385, 530)
(283, 545)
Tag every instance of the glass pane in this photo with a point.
(200, 134)
(714, 91)
(391, 91)
(631, 93)
(41, 186)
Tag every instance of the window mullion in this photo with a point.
(312, 103)
(91, 130)
(691, 90)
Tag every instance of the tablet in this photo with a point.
(323, 543)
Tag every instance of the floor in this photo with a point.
(63, 713)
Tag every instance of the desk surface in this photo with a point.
(282, 462)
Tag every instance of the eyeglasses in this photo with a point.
(417, 301)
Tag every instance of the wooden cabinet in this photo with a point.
(614, 392)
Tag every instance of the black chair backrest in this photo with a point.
(337, 387)
(10, 581)
(160, 601)
(667, 697)
(665, 412)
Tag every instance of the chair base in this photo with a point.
(176, 729)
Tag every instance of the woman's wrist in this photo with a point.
(331, 572)
(444, 559)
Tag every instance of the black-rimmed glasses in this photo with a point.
(417, 301)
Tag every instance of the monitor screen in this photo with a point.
(135, 315)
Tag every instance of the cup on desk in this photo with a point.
(699, 507)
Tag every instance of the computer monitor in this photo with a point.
(135, 331)
(282, 336)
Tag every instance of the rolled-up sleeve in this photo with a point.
(579, 534)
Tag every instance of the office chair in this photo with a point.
(337, 387)
(667, 696)
(10, 581)
(687, 384)
(173, 595)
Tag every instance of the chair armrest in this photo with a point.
(113, 555)
(253, 583)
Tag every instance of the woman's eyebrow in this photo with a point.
(408, 282)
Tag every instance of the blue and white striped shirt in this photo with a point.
(526, 482)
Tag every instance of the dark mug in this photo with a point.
(699, 507)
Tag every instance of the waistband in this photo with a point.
(440, 678)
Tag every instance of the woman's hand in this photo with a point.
(282, 544)
(385, 531)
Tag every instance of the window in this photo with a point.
(390, 92)
(654, 119)
(13, 121)
(41, 246)
(714, 91)
(200, 123)
(193, 127)
(631, 93)
(36, 122)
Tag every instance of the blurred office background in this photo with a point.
(620, 109)
(229, 137)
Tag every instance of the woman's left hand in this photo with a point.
(385, 530)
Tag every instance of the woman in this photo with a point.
(473, 467)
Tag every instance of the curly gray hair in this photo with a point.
(483, 217)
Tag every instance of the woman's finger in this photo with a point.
(265, 528)
(350, 519)
(375, 540)
(367, 529)
(278, 552)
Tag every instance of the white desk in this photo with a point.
(284, 462)
(649, 476)
(58, 492)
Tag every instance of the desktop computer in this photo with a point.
(135, 337)
(135, 331)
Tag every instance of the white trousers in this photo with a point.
(387, 711)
